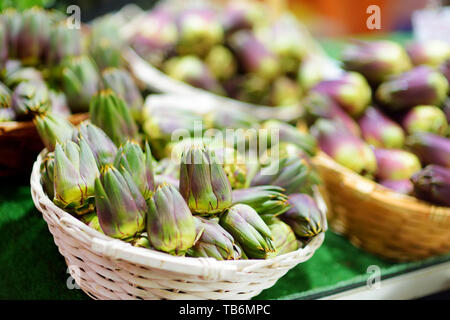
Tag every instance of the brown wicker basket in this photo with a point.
(20, 144)
(381, 221)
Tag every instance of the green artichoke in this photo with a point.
(249, 230)
(170, 224)
(53, 129)
(265, 200)
(284, 238)
(47, 174)
(30, 98)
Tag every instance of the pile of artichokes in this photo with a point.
(240, 50)
(387, 116)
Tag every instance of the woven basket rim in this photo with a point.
(9, 126)
(118, 249)
(382, 193)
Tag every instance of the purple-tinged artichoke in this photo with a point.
(395, 164)
(80, 81)
(29, 99)
(170, 224)
(254, 56)
(111, 114)
(53, 129)
(284, 238)
(431, 52)
(249, 230)
(433, 184)
(214, 241)
(265, 200)
(33, 36)
(419, 86)
(312, 70)
(379, 130)
(304, 217)
(403, 186)
(351, 91)
(376, 60)
(138, 164)
(239, 15)
(203, 181)
(121, 82)
(75, 171)
(320, 106)
(101, 145)
(221, 62)
(426, 119)
(199, 29)
(121, 208)
(430, 148)
(16, 75)
(64, 42)
(91, 220)
(345, 148)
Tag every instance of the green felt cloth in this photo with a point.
(32, 268)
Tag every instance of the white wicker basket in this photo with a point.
(107, 268)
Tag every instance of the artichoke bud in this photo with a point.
(141, 241)
(53, 129)
(395, 164)
(80, 81)
(432, 52)
(5, 97)
(288, 133)
(293, 174)
(192, 70)
(433, 184)
(106, 54)
(47, 174)
(121, 208)
(249, 230)
(214, 241)
(234, 166)
(63, 42)
(419, 86)
(17, 75)
(379, 130)
(30, 98)
(304, 217)
(268, 201)
(403, 186)
(426, 119)
(312, 70)
(203, 181)
(351, 91)
(285, 92)
(75, 171)
(198, 31)
(111, 114)
(320, 106)
(170, 224)
(376, 60)
(221, 62)
(254, 56)
(91, 219)
(121, 82)
(283, 235)
(138, 164)
(430, 148)
(101, 145)
(239, 15)
(345, 148)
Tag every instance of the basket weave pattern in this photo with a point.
(107, 268)
(381, 221)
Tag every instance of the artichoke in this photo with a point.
(47, 174)
(221, 62)
(249, 230)
(131, 158)
(433, 184)
(203, 181)
(395, 164)
(284, 237)
(75, 171)
(5, 97)
(265, 200)
(304, 217)
(53, 129)
(430, 148)
(170, 224)
(214, 241)
(403, 186)
(91, 219)
(120, 206)
(431, 52)
(111, 114)
(64, 42)
(426, 119)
